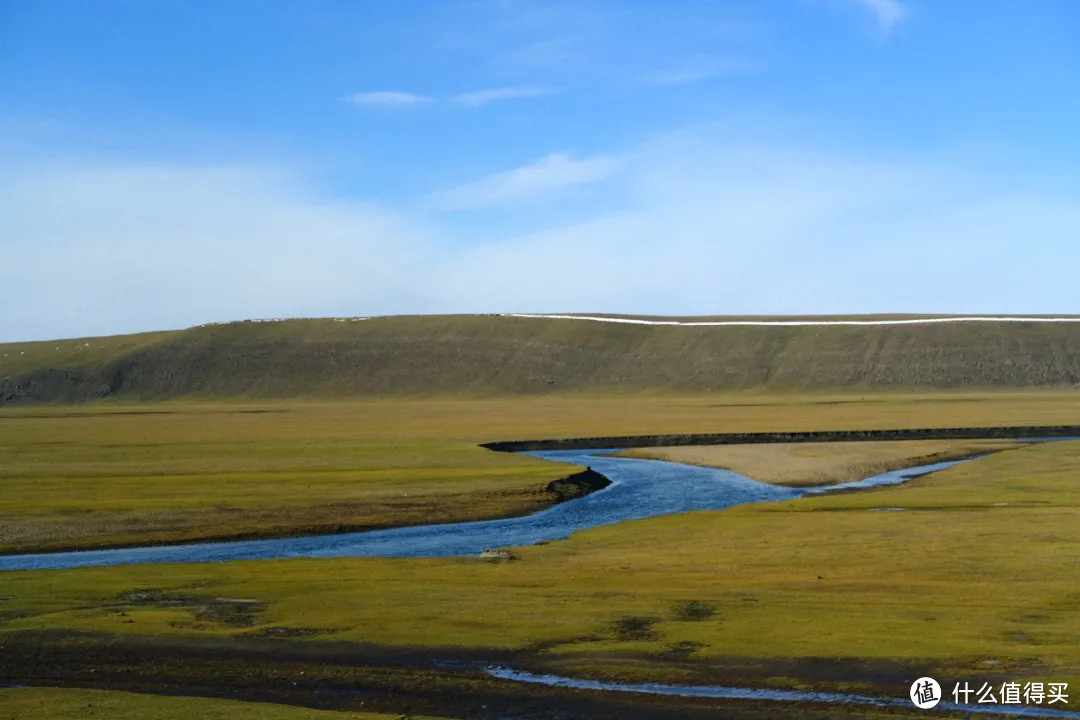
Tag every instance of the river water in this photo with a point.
(639, 489)
(739, 693)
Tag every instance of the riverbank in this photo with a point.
(638, 489)
(563, 489)
(816, 436)
(816, 464)
(339, 679)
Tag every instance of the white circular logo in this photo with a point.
(925, 693)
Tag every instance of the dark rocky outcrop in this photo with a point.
(577, 485)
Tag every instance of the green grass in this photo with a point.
(19, 358)
(78, 704)
(483, 355)
(114, 476)
(977, 569)
(108, 474)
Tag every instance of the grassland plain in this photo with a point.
(829, 593)
(109, 474)
(971, 579)
(493, 354)
(808, 464)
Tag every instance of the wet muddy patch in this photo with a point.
(205, 611)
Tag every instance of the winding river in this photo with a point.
(639, 489)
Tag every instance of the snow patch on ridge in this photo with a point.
(797, 323)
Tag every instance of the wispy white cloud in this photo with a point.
(528, 183)
(886, 12)
(387, 98)
(399, 98)
(721, 228)
(701, 225)
(699, 69)
(483, 97)
(189, 244)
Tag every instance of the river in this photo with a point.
(639, 489)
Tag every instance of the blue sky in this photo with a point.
(167, 163)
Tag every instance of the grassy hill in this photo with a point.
(491, 354)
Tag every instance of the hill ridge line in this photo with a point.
(798, 323)
(430, 355)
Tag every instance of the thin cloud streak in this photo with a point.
(387, 99)
(484, 97)
(528, 183)
(699, 70)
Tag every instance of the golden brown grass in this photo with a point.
(824, 463)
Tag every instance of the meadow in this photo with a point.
(830, 576)
(961, 574)
(111, 474)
